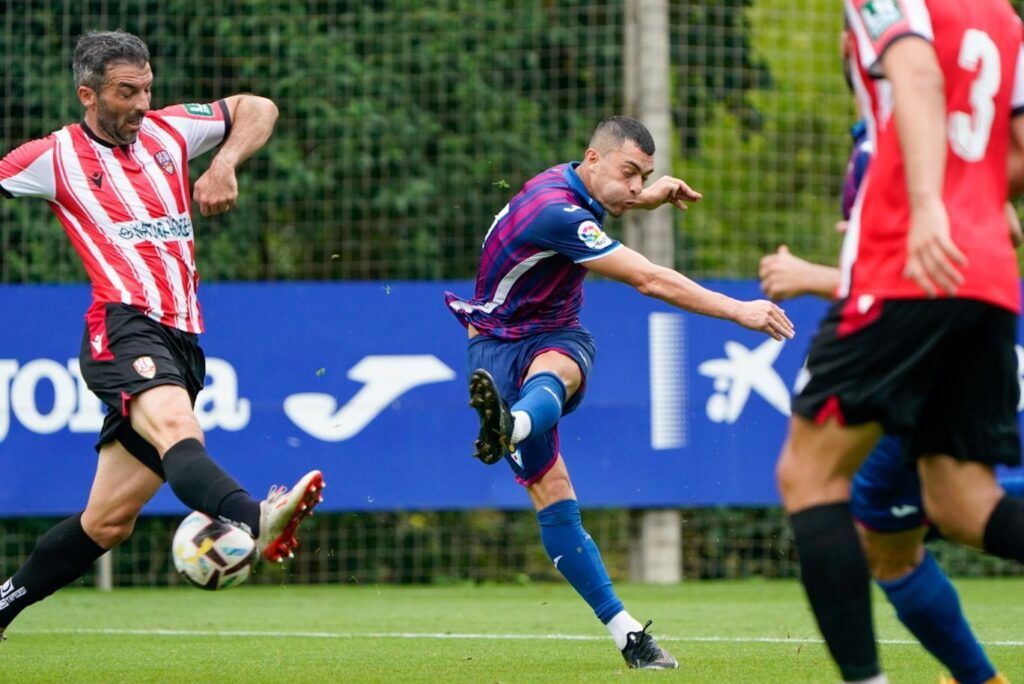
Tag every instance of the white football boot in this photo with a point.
(282, 512)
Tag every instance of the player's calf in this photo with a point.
(539, 407)
(1004, 531)
(61, 556)
(202, 485)
(961, 498)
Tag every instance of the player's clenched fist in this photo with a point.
(782, 274)
(216, 190)
(766, 317)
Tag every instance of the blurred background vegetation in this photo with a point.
(406, 125)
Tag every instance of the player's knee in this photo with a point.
(110, 528)
(889, 564)
(177, 426)
(789, 478)
(552, 488)
(804, 483)
(955, 524)
(558, 488)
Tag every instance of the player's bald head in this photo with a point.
(611, 133)
(98, 50)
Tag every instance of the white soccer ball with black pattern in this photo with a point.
(211, 554)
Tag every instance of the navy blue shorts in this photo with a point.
(508, 361)
(886, 492)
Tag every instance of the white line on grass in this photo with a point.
(446, 635)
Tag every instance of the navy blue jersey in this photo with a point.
(857, 167)
(530, 277)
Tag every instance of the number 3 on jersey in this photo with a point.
(969, 133)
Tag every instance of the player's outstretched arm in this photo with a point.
(784, 275)
(252, 122)
(666, 190)
(631, 267)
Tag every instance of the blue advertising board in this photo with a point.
(367, 382)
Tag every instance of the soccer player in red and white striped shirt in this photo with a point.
(118, 183)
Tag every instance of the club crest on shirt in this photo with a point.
(592, 235)
(879, 15)
(145, 367)
(163, 158)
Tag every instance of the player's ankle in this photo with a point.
(522, 425)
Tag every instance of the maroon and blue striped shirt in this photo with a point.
(530, 278)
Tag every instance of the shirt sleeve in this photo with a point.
(877, 24)
(27, 171)
(573, 232)
(201, 126)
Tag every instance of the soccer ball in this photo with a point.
(211, 554)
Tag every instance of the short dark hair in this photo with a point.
(97, 50)
(619, 129)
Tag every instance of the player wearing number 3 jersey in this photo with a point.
(921, 340)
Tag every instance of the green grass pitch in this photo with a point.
(735, 631)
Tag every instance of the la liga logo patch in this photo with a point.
(592, 235)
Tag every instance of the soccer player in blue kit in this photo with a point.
(529, 356)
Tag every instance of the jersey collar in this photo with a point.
(576, 183)
(97, 139)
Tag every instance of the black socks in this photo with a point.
(201, 484)
(1004, 531)
(838, 584)
(61, 556)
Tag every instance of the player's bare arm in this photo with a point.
(1016, 156)
(666, 190)
(920, 113)
(632, 268)
(1013, 219)
(784, 276)
(253, 118)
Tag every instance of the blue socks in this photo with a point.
(576, 556)
(928, 605)
(541, 399)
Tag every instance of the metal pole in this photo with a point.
(105, 571)
(657, 555)
(647, 85)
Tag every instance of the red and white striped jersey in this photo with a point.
(979, 49)
(127, 208)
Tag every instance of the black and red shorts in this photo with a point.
(124, 353)
(940, 373)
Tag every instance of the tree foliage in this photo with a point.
(405, 125)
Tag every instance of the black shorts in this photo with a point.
(940, 373)
(124, 353)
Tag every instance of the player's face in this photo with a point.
(123, 102)
(618, 176)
